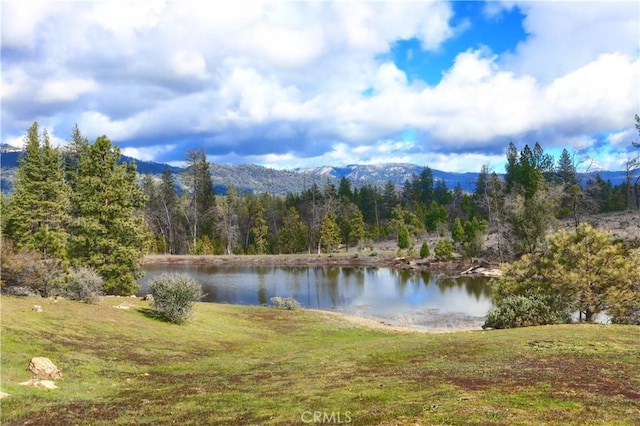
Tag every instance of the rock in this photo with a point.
(36, 308)
(123, 305)
(38, 383)
(43, 368)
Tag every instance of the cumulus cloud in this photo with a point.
(65, 90)
(308, 83)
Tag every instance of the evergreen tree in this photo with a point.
(107, 233)
(572, 201)
(329, 232)
(37, 212)
(389, 201)
(260, 230)
(344, 189)
(293, 232)
(583, 271)
(424, 250)
(435, 215)
(474, 235)
(457, 232)
(75, 148)
(355, 232)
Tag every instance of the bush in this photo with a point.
(285, 302)
(403, 237)
(626, 315)
(22, 272)
(444, 250)
(424, 250)
(174, 296)
(524, 311)
(84, 284)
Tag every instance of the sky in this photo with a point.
(312, 83)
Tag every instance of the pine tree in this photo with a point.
(457, 232)
(37, 212)
(293, 232)
(354, 227)
(107, 233)
(260, 230)
(583, 270)
(329, 232)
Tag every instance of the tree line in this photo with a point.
(520, 208)
(76, 207)
(79, 206)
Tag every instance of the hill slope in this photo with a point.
(257, 179)
(260, 365)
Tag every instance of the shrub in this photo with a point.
(626, 314)
(403, 237)
(174, 296)
(84, 284)
(22, 272)
(285, 302)
(524, 311)
(444, 250)
(424, 250)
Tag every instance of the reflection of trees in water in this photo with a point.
(331, 279)
(262, 287)
(405, 277)
(353, 274)
(477, 287)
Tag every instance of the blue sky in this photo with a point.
(299, 84)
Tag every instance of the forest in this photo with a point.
(79, 206)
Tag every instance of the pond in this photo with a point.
(398, 297)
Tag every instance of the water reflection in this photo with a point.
(396, 296)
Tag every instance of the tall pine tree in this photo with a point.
(107, 232)
(37, 212)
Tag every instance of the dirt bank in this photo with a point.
(356, 260)
(623, 225)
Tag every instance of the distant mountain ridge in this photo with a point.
(258, 179)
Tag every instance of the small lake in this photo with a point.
(399, 297)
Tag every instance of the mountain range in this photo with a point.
(257, 179)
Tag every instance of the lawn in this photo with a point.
(259, 365)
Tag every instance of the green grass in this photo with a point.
(258, 365)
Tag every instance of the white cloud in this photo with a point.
(94, 124)
(20, 22)
(189, 64)
(149, 153)
(246, 78)
(623, 138)
(566, 35)
(65, 90)
(14, 81)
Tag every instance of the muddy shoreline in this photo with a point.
(455, 267)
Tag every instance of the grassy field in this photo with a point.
(258, 365)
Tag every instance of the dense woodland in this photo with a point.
(78, 206)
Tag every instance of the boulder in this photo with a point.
(38, 383)
(43, 368)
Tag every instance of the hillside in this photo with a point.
(259, 365)
(256, 179)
